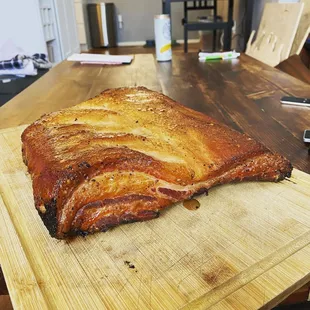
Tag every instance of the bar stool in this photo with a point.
(215, 25)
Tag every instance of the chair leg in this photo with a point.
(185, 39)
(227, 41)
(184, 25)
(185, 11)
(214, 20)
(214, 41)
(226, 46)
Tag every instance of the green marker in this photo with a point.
(213, 56)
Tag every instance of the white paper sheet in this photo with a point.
(126, 59)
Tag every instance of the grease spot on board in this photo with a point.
(191, 204)
(238, 213)
(108, 248)
(217, 271)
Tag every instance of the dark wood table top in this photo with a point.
(243, 93)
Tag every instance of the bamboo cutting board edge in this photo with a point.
(207, 299)
(23, 287)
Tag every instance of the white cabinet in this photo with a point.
(67, 27)
(79, 12)
(80, 20)
(60, 28)
(82, 34)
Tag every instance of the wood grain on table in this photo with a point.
(244, 93)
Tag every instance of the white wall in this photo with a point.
(20, 21)
(138, 18)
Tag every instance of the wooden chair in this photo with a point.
(296, 68)
(215, 25)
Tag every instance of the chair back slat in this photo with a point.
(199, 5)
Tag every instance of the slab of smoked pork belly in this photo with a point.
(130, 152)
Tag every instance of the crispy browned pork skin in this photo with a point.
(130, 152)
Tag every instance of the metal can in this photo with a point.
(162, 26)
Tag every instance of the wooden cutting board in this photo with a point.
(276, 32)
(303, 30)
(247, 246)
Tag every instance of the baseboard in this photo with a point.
(141, 43)
(189, 41)
(131, 43)
(84, 47)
